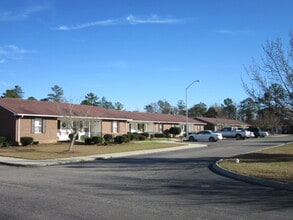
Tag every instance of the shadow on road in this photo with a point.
(186, 180)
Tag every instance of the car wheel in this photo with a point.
(191, 138)
(211, 139)
(238, 137)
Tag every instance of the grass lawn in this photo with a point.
(274, 163)
(58, 150)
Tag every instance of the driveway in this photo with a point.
(167, 185)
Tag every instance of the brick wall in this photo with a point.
(7, 125)
(107, 128)
(50, 134)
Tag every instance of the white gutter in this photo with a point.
(62, 116)
(18, 128)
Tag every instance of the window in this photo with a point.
(115, 127)
(38, 126)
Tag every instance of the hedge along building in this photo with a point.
(49, 122)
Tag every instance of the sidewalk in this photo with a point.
(40, 163)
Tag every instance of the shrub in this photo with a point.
(159, 135)
(175, 131)
(88, 140)
(166, 133)
(2, 141)
(146, 134)
(26, 141)
(142, 137)
(98, 140)
(132, 136)
(120, 139)
(108, 137)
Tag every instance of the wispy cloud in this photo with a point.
(234, 31)
(154, 19)
(11, 52)
(128, 20)
(22, 15)
(86, 25)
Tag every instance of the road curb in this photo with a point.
(248, 179)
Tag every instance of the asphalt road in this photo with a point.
(172, 185)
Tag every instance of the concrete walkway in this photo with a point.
(49, 162)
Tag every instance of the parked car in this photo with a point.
(206, 135)
(264, 133)
(258, 132)
(232, 132)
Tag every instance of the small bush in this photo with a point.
(142, 137)
(26, 141)
(146, 134)
(120, 139)
(98, 140)
(2, 141)
(108, 137)
(159, 135)
(88, 140)
(132, 136)
(36, 142)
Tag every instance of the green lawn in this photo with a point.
(274, 163)
(51, 151)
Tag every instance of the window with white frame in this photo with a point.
(38, 126)
(115, 127)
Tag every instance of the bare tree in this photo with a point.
(75, 119)
(271, 81)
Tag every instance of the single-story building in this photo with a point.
(218, 123)
(49, 122)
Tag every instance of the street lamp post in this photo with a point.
(186, 104)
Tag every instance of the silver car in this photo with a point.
(206, 135)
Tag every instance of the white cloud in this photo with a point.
(128, 20)
(22, 15)
(86, 25)
(11, 52)
(154, 19)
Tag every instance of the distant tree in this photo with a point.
(198, 110)
(13, 93)
(165, 107)
(152, 108)
(91, 99)
(271, 80)
(31, 98)
(212, 112)
(229, 110)
(57, 95)
(118, 106)
(268, 118)
(104, 103)
(247, 110)
(181, 107)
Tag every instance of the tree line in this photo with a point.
(57, 95)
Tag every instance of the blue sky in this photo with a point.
(136, 51)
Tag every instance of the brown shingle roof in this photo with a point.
(222, 121)
(54, 109)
